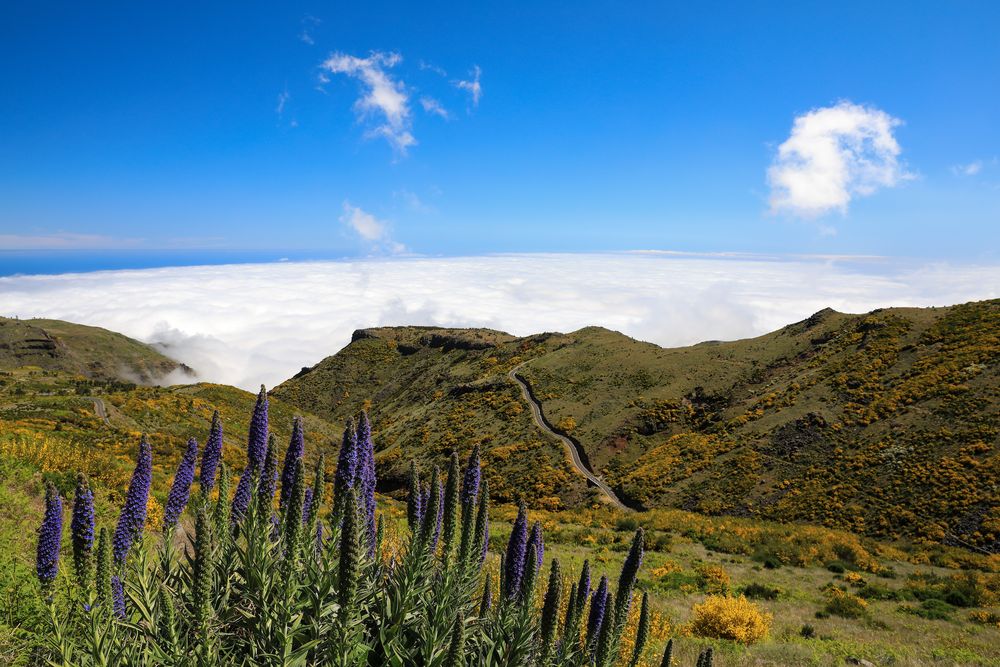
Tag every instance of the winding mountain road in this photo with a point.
(100, 409)
(574, 453)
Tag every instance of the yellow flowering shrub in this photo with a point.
(713, 578)
(726, 617)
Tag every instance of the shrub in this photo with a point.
(836, 567)
(807, 631)
(626, 524)
(712, 578)
(757, 591)
(734, 618)
(932, 608)
(771, 563)
(843, 604)
(984, 617)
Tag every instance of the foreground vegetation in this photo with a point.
(261, 582)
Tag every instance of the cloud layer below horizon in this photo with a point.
(245, 324)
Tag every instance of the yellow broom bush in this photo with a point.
(727, 617)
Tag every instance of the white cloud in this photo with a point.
(431, 105)
(309, 24)
(247, 324)
(371, 230)
(973, 168)
(472, 86)
(283, 98)
(426, 66)
(833, 155)
(413, 202)
(970, 169)
(381, 95)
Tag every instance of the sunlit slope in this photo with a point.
(91, 352)
(885, 423)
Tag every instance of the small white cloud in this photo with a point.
(833, 155)
(381, 95)
(283, 98)
(309, 24)
(426, 66)
(472, 86)
(371, 230)
(413, 202)
(432, 106)
(973, 168)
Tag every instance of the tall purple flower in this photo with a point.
(627, 578)
(118, 596)
(50, 537)
(536, 540)
(296, 448)
(82, 529)
(414, 500)
(257, 437)
(180, 491)
(133, 515)
(366, 478)
(269, 476)
(212, 455)
(598, 605)
(470, 483)
(516, 549)
(241, 499)
(347, 468)
(307, 505)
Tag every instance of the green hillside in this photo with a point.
(90, 352)
(885, 423)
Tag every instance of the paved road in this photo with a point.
(100, 410)
(574, 453)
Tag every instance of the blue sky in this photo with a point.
(599, 126)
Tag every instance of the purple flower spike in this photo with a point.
(296, 448)
(212, 454)
(118, 596)
(241, 499)
(470, 483)
(516, 549)
(180, 491)
(50, 537)
(347, 461)
(257, 438)
(598, 605)
(536, 540)
(82, 527)
(366, 478)
(133, 515)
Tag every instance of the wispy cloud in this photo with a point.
(65, 241)
(973, 168)
(412, 201)
(309, 25)
(247, 324)
(472, 86)
(833, 155)
(372, 231)
(381, 96)
(283, 98)
(431, 67)
(432, 106)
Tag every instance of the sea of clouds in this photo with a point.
(246, 324)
